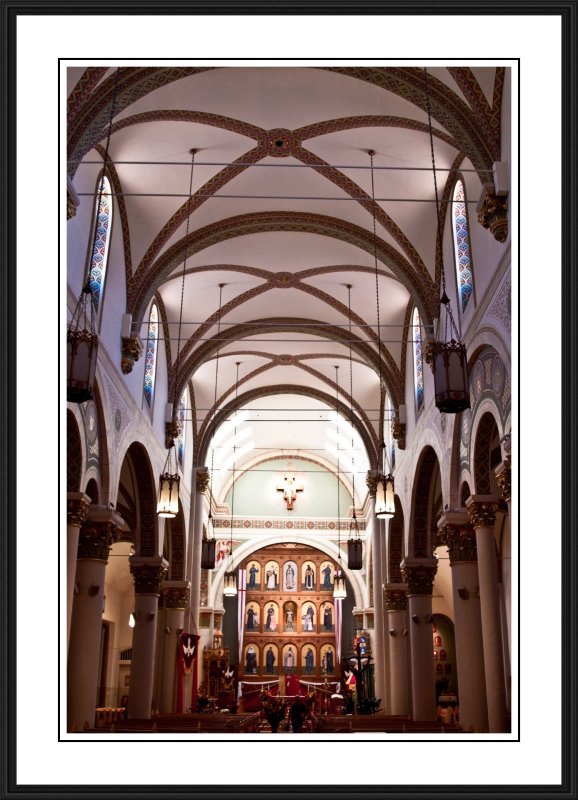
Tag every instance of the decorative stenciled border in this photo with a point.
(288, 524)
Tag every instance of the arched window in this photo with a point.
(151, 356)
(181, 436)
(101, 240)
(465, 277)
(388, 439)
(417, 360)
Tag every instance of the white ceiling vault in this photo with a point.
(281, 216)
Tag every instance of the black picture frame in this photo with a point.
(12, 370)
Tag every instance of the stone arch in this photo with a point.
(427, 504)
(487, 454)
(369, 439)
(136, 499)
(73, 454)
(396, 538)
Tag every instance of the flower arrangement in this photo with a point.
(273, 709)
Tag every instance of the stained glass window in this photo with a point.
(181, 436)
(462, 246)
(417, 360)
(151, 356)
(99, 257)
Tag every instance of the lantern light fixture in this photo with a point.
(339, 587)
(447, 353)
(230, 579)
(169, 481)
(385, 485)
(81, 337)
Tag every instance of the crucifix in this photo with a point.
(289, 488)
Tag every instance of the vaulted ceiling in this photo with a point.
(280, 221)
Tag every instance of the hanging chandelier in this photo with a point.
(169, 481)
(208, 545)
(354, 544)
(447, 353)
(230, 580)
(339, 588)
(81, 337)
(385, 485)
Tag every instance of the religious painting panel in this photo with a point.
(270, 617)
(271, 576)
(290, 576)
(326, 618)
(252, 616)
(251, 658)
(308, 618)
(327, 654)
(308, 659)
(308, 576)
(271, 659)
(361, 641)
(289, 659)
(326, 572)
(253, 575)
(289, 616)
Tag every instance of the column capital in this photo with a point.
(419, 574)
(148, 573)
(482, 509)
(175, 594)
(395, 596)
(130, 351)
(202, 477)
(504, 478)
(77, 504)
(493, 213)
(100, 531)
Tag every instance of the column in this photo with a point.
(96, 537)
(482, 510)
(419, 574)
(148, 574)
(176, 600)
(196, 534)
(395, 598)
(460, 538)
(504, 478)
(379, 654)
(76, 508)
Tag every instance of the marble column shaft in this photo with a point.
(482, 510)
(395, 598)
(460, 538)
(96, 537)
(77, 508)
(148, 573)
(419, 574)
(176, 600)
(196, 534)
(377, 544)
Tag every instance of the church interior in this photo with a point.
(289, 400)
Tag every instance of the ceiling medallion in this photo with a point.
(280, 143)
(286, 359)
(283, 280)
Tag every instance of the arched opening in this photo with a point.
(73, 454)
(395, 552)
(427, 504)
(487, 455)
(465, 492)
(92, 491)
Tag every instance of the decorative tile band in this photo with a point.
(289, 524)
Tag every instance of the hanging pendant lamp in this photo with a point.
(447, 353)
(354, 544)
(209, 543)
(81, 337)
(169, 481)
(385, 485)
(339, 588)
(230, 580)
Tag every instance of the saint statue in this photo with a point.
(289, 619)
(309, 659)
(290, 578)
(270, 660)
(309, 577)
(251, 619)
(328, 661)
(271, 578)
(289, 660)
(270, 622)
(327, 577)
(251, 660)
(327, 620)
(252, 575)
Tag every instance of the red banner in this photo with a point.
(187, 663)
